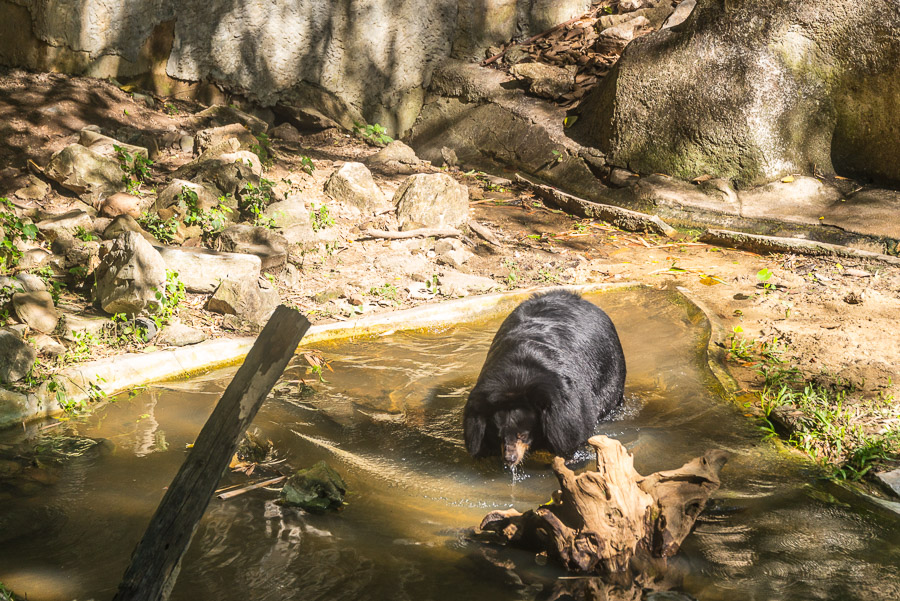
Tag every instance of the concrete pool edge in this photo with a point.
(119, 374)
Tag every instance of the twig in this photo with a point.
(425, 232)
(240, 491)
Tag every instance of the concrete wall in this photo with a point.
(352, 59)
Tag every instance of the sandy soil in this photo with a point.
(836, 317)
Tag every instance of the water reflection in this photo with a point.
(389, 419)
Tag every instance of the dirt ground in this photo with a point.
(834, 318)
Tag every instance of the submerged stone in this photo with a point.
(318, 488)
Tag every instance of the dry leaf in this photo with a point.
(787, 180)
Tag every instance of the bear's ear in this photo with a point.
(474, 426)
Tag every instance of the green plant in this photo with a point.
(12, 228)
(387, 291)
(50, 280)
(162, 230)
(374, 134)
(263, 149)
(557, 156)
(432, 283)
(319, 217)
(764, 275)
(128, 331)
(168, 299)
(136, 167)
(254, 199)
(84, 235)
(83, 343)
(211, 221)
(170, 109)
(513, 269)
(307, 165)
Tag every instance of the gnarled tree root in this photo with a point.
(612, 519)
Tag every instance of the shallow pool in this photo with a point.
(389, 420)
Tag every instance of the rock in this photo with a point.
(431, 200)
(83, 171)
(620, 35)
(218, 115)
(656, 190)
(243, 298)
(201, 270)
(621, 178)
(758, 91)
(269, 246)
(455, 258)
(172, 198)
(30, 282)
(449, 157)
(287, 132)
(682, 12)
(95, 327)
(122, 224)
(890, 480)
(121, 203)
(870, 211)
(33, 258)
(48, 346)
(318, 489)
(515, 55)
(142, 328)
(129, 275)
(186, 143)
(37, 310)
(305, 119)
(207, 138)
(454, 283)
(16, 357)
(403, 264)
(36, 189)
(545, 80)
(395, 158)
(105, 146)
(178, 334)
(627, 6)
(286, 213)
(69, 222)
(224, 166)
(802, 200)
(352, 184)
(303, 236)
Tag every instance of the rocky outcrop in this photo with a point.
(431, 200)
(129, 275)
(752, 91)
(352, 184)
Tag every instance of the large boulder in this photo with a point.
(83, 171)
(753, 90)
(16, 357)
(129, 275)
(37, 310)
(201, 270)
(268, 245)
(353, 184)
(431, 200)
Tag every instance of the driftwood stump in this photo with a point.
(612, 519)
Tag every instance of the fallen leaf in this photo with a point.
(788, 179)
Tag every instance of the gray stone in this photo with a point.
(288, 212)
(179, 334)
(201, 270)
(395, 158)
(268, 245)
(303, 236)
(431, 200)
(68, 222)
(36, 189)
(129, 275)
(803, 200)
(245, 299)
(871, 211)
(122, 224)
(16, 357)
(890, 480)
(30, 282)
(621, 178)
(627, 6)
(761, 90)
(454, 258)
(545, 80)
(207, 138)
(287, 132)
(682, 12)
(219, 115)
(105, 146)
(48, 346)
(37, 310)
(621, 34)
(83, 171)
(121, 203)
(33, 258)
(352, 184)
(93, 326)
(186, 143)
(224, 166)
(171, 198)
(656, 190)
(454, 283)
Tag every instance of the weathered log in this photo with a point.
(155, 561)
(613, 519)
(425, 232)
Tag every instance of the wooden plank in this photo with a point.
(155, 561)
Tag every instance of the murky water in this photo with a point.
(389, 420)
